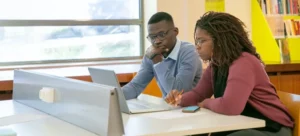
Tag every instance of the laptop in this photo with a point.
(144, 103)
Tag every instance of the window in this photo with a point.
(44, 31)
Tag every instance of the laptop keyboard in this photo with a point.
(141, 105)
(137, 106)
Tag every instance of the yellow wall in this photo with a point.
(294, 47)
(262, 36)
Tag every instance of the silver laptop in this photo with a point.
(144, 103)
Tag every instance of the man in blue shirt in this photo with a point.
(175, 64)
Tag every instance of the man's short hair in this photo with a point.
(161, 16)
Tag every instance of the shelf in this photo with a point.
(280, 15)
(279, 37)
(282, 37)
(296, 36)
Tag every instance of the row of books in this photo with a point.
(276, 24)
(279, 6)
(291, 27)
(283, 28)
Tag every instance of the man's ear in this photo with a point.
(176, 30)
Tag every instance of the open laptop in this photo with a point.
(144, 103)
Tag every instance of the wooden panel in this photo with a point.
(8, 85)
(123, 78)
(6, 95)
(83, 78)
(275, 81)
(290, 83)
(278, 67)
(124, 73)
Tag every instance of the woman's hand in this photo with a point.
(200, 104)
(174, 97)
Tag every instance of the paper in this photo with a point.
(20, 118)
(172, 114)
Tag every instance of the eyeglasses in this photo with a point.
(199, 42)
(161, 36)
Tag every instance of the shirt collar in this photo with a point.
(174, 54)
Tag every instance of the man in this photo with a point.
(175, 64)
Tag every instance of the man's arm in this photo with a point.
(187, 69)
(135, 87)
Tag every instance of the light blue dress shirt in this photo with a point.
(181, 70)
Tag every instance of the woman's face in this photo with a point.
(204, 44)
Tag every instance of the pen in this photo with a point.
(177, 95)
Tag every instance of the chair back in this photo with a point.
(152, 88)
(292, 102)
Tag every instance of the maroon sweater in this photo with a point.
(247, 82)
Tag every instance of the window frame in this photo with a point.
(97, 22)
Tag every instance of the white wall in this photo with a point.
(186, 12)
(150, 8)
(242, 10)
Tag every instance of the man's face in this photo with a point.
(162, 34)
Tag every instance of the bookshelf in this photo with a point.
(262, 36)
(282, 28)
(289, 37)
(280, 15)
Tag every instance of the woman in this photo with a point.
(236, 77)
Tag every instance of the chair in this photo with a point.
(292, 102)
(152, 88)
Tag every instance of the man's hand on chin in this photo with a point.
(155, 53)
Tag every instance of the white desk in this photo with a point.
(169, 123)
(176, 123)
(31, 122)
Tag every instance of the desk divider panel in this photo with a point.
(91, 106)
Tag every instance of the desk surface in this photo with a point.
(26, 121)
(169, 123)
